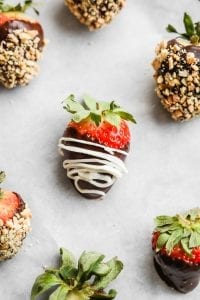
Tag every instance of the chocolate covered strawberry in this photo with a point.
(95, 144)
(21, 45)
(176, 246)
(14, 222)
(83, 281)
(95, 13)
(177, 72)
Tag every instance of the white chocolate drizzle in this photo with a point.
(101, 170)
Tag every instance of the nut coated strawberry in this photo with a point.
(177, 72)
(95, 13)
(14, 222)
(95, 144)
(176, 247)
(21, 45)
(86, 281)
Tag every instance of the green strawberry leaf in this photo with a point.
(87, 262)
(125, 116)
(174, 239)
(101, 269)
(18, 7)
(60, 293)
(90, 102)
(171, 28)
(113, 106)
(164, 220)
(2, 176)
(43, 283)
(104, 106)
(189, 26)
(67, 258)
(102, 296)
(81, 115)
(194, 240)
(112, 118)
(162, 240)
(185, 245)
(95, 118)
(71, 105)
(116, 267)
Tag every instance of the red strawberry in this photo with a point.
(177, 72)
(95, 144)
(14, 222)
(176, 246)
(21, 45)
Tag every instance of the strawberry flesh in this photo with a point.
(10, 204)
(105, 134)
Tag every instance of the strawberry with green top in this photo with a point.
(176, 246)
(95, 144)
(21, 44)
(177, 71)
(14, 222)
(86, 281)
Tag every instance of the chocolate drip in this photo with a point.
(71, 132)
(176, 273)
(12, 25)
(21, 206)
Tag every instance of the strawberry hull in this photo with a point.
(96, 148)
(176, 273)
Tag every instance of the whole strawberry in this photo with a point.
(95, 13)
(86, 281)
(94, 145)
(177, 72)
(176, 246)
(14, 222)
(21, 45)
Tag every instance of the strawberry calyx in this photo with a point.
(192, 29)
(178, 236)
(100, 121)
(83, 281)
(20, 7)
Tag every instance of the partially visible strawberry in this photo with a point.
(176, 245)
(14, 221)
(98, 130)
(21, 44)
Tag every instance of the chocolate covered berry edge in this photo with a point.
(176, 248)
(21, 45)
(95, 14)
(94, 145)
(177, 71)
(14, 222)
(85, 281)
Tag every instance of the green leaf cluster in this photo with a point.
(192, 30)
(83, 282)
(20, 7)
(97, 111)
(180, 229)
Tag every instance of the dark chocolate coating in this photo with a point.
(189, 48)
(71, 132)
(176, 273)
(12, 25)
(21, 206)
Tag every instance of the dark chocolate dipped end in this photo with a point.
(176, 273)
(73, 133)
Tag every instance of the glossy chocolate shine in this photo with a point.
(12, 25)
(176, 273)
(71, 132)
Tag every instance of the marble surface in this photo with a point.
(113, 63)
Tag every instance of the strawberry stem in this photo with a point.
(2, 178)
(18, 7)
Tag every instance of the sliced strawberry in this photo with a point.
(9, 204)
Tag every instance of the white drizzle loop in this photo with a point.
(101, 166)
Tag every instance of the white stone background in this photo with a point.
(113, 63)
